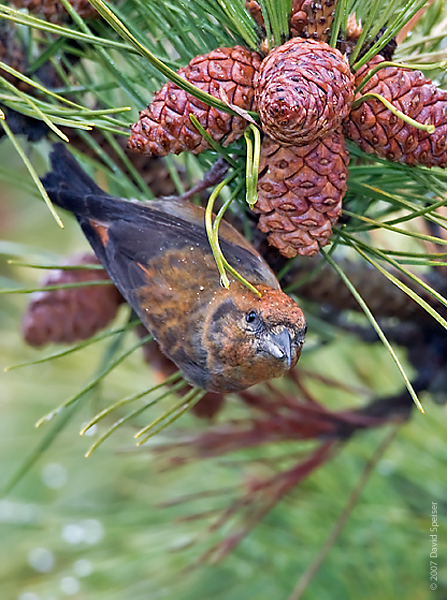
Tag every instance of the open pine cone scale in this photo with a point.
(303, 92)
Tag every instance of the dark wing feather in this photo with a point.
(138, 232)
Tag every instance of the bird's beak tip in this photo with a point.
(279, 345)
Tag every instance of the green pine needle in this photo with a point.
(376, 327)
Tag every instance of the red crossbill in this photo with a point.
(159, 257)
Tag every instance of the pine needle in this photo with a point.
(34, 177)
(375, 325)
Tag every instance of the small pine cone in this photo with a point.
(207, 407)
(377, 131)
(69, 315)
(254, 9)
(308, 18)
(165, 127)
(54, 11)
(13, 55)
(299, 17)
(304, 90)
(300, 191)
(320, 14)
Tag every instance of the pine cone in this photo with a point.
(318, 22)
(68, 315)
(377, 131)
(207, 407)
(165, 127)
(298, 18)
(304, 90)
(54, 11)
(13, 55)
(300, 190)
(254, 9)
(308, 18)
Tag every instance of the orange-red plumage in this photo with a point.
(159, 257)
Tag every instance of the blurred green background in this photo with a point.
(92, 529)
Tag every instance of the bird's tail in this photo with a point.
(67, 184)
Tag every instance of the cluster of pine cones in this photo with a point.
(303, 92)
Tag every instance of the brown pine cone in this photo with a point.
(308, 18)
(299, 18)
(377, 131)
(304, 90)
(69, 315)
(254, 9)
(165, 127)
(300, 190)
(13, 55)
(54, 11)
(207, 407)
(319, 17)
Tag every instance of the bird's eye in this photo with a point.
(251, 316)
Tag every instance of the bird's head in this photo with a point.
(253, 339)
(278, 326)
